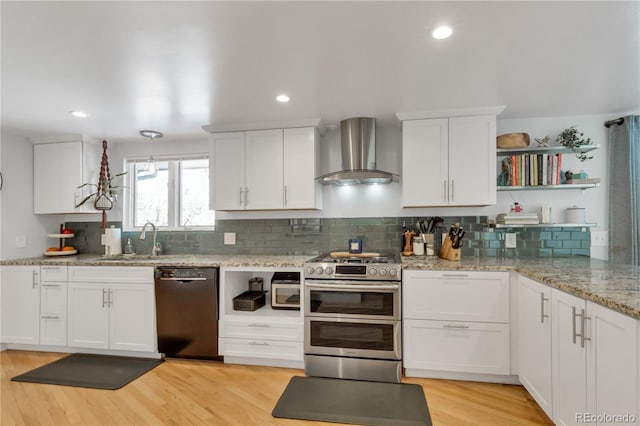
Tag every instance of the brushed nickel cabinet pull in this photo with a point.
(458, 326)
(542, 314)
(452, 183)
(246, 196)
(50, 317)
(104, 302)
(584, 325)
(240, 195)
(285, 195)
(50, 285)
(258, 344)
(259, 325)
(34, 279)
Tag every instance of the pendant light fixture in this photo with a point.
(151, 168)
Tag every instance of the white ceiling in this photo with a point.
(175, 66)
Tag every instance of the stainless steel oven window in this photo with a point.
(355, 338)
(328, 299)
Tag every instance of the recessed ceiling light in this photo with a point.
(282, 98)
(442, 32)
(80, 114)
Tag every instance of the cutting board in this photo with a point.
(347, 254)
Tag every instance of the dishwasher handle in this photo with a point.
(183, 280)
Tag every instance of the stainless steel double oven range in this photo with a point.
(352, 318)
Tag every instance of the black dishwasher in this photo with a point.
(187, 312)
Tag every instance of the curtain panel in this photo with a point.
(624, 191)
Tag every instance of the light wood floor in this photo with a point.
(185, 392)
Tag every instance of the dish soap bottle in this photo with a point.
(128, 248)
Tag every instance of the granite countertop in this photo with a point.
(165, 260)
(614, 286)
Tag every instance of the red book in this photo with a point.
(558, 180)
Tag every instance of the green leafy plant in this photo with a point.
(109, 189)
(573, 139)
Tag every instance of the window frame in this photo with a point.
(174, 199)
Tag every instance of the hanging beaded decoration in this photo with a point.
(103, 199)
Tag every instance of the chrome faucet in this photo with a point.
(155, 249)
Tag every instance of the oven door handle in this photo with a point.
(354, 287)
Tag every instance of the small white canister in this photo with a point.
(575, 214)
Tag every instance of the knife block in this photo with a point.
(447, 252)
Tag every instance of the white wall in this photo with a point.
(17, 202)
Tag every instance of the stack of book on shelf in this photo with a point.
(518, 219)
(536, 169)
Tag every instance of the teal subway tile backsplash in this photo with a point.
(310, 237)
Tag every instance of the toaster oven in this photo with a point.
(285, 290)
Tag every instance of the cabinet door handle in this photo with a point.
(456, 275)
(259, 325)
(246, 196)
(542, 314)
(104, 302)
(444, 189)
(240, 195)
(574, 327)
(258, 344)
(584, 325)
(458, 326)
(285, 195)
(50, 317)
(110, 297)
(50, 268)
(452, 193)
(50, 285)
(34, 279)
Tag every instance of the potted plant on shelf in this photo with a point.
(573, 139)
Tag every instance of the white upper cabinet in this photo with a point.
(59, 168)
(449, 161)
(226, 159)
(301, 190)
(264, 170)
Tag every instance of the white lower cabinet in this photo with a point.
(265, 336)
(534, 320)
(20, 302)
(455, 322)
(466, 347)
(594, 362)
(108, 315)
(53, 305)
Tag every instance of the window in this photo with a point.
(171, 193)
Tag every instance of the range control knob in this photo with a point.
(310, 270)
(373, 271)
(319, 270)
(383, 271)
(393, 272)
(328, 270)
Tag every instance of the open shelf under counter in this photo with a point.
(265, 312)
(544, 150)
(548, 187)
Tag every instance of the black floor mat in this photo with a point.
(90, 371)
(353, 401)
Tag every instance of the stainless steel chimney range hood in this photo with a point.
(358, 140)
